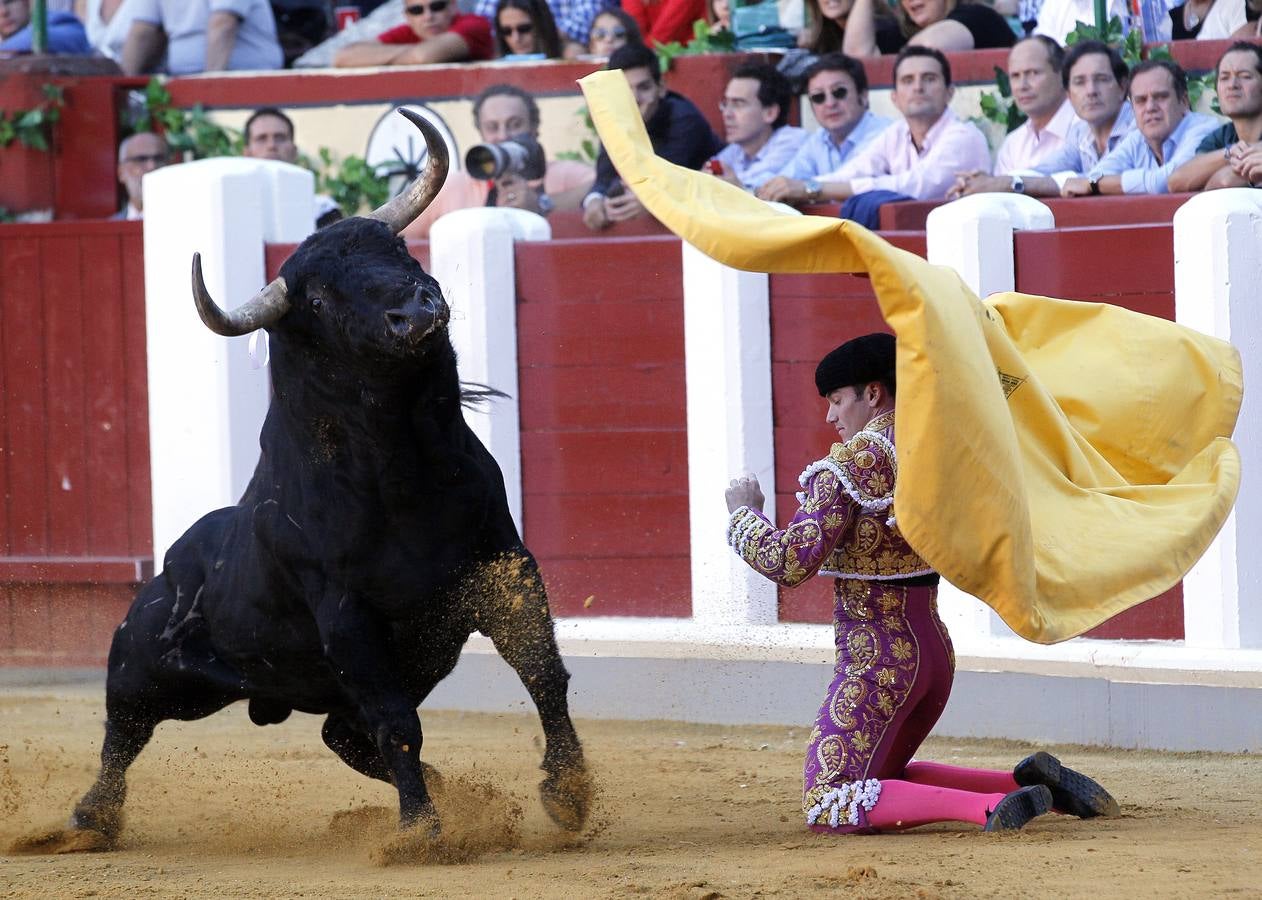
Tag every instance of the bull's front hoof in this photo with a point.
(421, 843)
(567, 798)
(62, 840)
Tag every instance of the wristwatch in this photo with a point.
(1095, 185)
(814, 190)
(545, 203)
(1018, 184)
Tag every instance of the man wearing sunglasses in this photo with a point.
(837, 90)
(139, 155)
(434, 31)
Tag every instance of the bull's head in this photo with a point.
(352, 257)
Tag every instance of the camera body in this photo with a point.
(522, 155)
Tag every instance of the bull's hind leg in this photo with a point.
(514, 614)
(358, 751)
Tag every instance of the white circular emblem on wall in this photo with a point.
(397, 150)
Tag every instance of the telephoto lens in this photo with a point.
(522, 155)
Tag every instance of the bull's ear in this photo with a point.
(263, 309)
(399, 212)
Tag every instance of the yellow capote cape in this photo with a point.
(1062, 461)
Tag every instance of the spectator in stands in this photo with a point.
(107, 23)
(917, 158)
(1095, 75)
(720, 16)
(1220, 160)
(837, 88)
(526, 28)
(826, 25)
(1034, 70)
(761, 141)
(269, 134)
(500, 113)
(612, 29)
(946, 25)
(1167, 136)
(677, 130)
(1206, 20)
(200, 36)
(1058, 18)
(138, 155)
(65, 32)
(665, 21)
(434, 31)
(573, 18)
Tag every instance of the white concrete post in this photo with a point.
(1217, 270)
(727, 350)
(207, 400)
(973, 235)
(471, 255)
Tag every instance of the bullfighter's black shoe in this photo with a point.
(1072, 792)
(1019, 807)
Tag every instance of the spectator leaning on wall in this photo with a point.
(1231, 155)
(434, 31)
(917, 158)
(1167, 136)
(679, 133)
(200, 36)
(755, 109)
(837, 89)
(1096, 78)
(573, 18)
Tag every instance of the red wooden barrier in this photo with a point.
(1077, 264)
(75, 529)
(1132, 209)
(603, 423)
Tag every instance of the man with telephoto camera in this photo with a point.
(507, 119)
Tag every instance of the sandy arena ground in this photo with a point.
(221, 808)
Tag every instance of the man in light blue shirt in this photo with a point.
(65, 32)
(1167, 136)
(837, 88)
(755, 109)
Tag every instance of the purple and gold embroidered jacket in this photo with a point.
(844, 526)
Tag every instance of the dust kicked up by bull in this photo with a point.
(373, 539)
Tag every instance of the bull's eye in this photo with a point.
(316, 303)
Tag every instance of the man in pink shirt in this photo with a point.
(435, 31)
(917, 158)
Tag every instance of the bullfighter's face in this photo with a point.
(357, 292)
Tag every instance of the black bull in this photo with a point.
(373, 539)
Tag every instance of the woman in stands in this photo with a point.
(946, 25)
(612, 29)
(720, 16)
(526, 28)
(826, 24)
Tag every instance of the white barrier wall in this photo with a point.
(471, 255)
(727, 365)
(1217, 271)
(207, 398)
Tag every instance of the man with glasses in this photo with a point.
(755, 108)
(837, 88)
(138, 155)
(65, 32)
(200, 36)
(435, 31)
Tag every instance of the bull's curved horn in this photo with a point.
(266, 307)
(399, 212)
